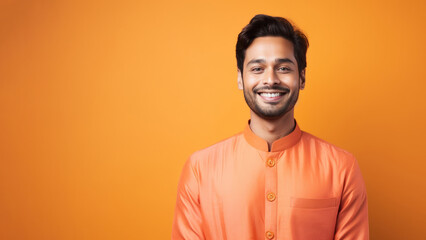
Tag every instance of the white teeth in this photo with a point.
(270, 94)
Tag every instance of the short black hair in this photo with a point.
(263, 25)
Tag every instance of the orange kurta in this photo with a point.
(303, 189)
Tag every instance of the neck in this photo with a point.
(272, 129)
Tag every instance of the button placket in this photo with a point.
(271, 178)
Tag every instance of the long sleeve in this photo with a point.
(187, 219)
(352, 220)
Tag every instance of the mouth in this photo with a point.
(274, 96)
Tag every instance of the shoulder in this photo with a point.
(222, 147)
(326, 149)
(212, 157)
(205, 161)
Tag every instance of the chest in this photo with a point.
(249, 179)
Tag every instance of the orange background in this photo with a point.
(103, 101)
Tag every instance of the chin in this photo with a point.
(271, 115)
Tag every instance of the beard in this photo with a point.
(271, 110)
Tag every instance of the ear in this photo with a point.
(240, 80)
(302, 79)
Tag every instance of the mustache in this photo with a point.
(281, 88)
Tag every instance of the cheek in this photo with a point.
(291, 80)
(250, 82)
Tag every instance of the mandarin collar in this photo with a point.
(278, 145)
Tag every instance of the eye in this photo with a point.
(284, 69)
(257, 69)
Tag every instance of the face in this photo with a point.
(270, 79)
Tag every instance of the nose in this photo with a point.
(271, 78)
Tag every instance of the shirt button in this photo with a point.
(269, 235)
(270, 162)
(271, 197)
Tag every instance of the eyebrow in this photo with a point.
(278, 60)
(284, 60)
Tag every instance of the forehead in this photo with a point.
(270, 48)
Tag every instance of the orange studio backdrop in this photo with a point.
(101, 103)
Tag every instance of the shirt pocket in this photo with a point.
(313, 202)
(313, 218)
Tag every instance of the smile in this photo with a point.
(271, 96)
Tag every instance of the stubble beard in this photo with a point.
(272, 112)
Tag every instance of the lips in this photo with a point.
(271, 96)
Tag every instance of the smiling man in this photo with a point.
(272, 180)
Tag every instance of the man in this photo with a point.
(271, 181)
